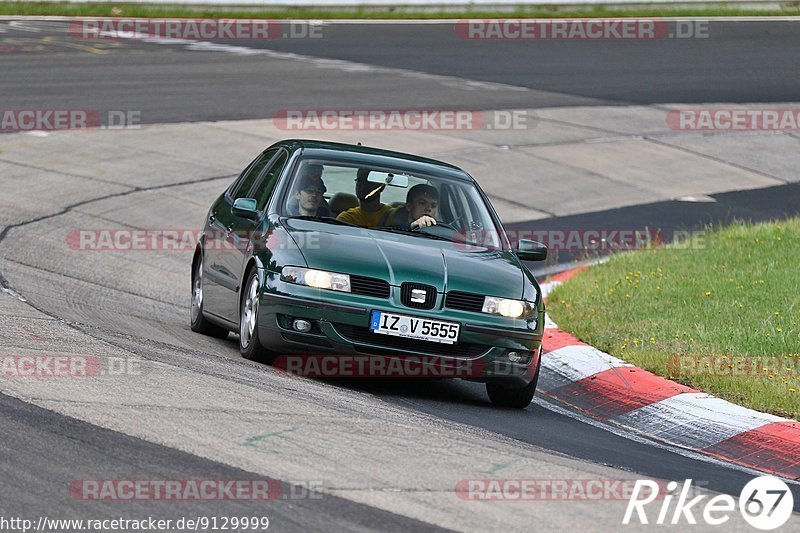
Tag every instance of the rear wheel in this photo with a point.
(249, 341)
(517, 398)
(199, 323)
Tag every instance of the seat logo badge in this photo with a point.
(418, 296)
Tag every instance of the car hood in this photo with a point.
(399, 258)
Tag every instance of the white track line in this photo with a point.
(578, 362)
(627, 434)
(695, 419)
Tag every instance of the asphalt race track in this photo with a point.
(739, 62)
(384, 454)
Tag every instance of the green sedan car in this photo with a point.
(325, 252)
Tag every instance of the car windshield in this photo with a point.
(391, 199)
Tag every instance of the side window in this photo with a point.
(267, 185)
(235, 185)
(246, 183)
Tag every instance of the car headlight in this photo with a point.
(506, 307)
(319, 279)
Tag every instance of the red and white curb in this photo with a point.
(610, 390)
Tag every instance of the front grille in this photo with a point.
(465, 301)
(369, 286)
(407, 293)
(394, 344)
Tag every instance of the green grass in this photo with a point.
(361, 12)
(734, 297)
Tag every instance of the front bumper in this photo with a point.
(340, 326)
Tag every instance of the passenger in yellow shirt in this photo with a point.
(370, 210)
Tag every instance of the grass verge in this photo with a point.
(722, 316)
(92, 9)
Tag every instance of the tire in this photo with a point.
(249, 340)
(199, 322)
(519, 398)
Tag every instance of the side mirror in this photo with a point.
(531, 250)
(245, 208)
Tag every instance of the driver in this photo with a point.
(422, 201)
(309, 197)
(370, 211)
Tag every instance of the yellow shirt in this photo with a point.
(370, 219)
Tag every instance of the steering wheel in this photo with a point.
(440, 225)
(445, 225)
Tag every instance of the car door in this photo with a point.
(220, 275)
(241, 231)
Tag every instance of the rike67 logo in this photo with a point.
(765, 503)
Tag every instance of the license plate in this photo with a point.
(414, 327)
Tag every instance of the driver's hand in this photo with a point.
(423, 222)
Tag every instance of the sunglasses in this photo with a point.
(310, 192)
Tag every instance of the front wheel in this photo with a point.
(249, 342)
(517, 398)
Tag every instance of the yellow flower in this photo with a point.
(708, 293)
(778, 330)
(792, 390)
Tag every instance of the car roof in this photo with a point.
(376, 156)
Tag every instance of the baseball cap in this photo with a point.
(309, 179)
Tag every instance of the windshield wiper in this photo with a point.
(330, 220)
(412, 232)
